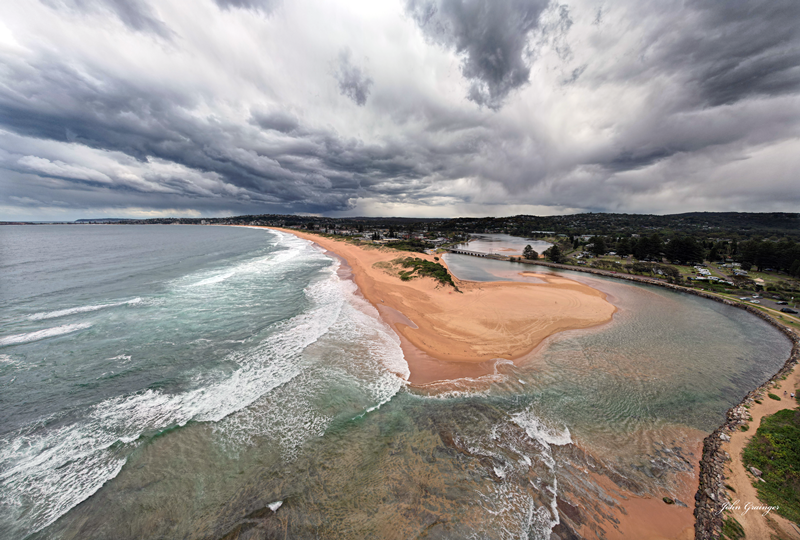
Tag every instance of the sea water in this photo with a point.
(204, 382)
(116, 336)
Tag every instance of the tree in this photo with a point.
(713, 253)
(529, 253)
(598, 246)
(684, 250)
(623, 247)
(655, 246)
(554, 253)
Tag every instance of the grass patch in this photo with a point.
(732, 529)
(745, 427)
(773, 396)
(425, 268)
(775, 450)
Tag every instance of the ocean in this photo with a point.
(221, 382)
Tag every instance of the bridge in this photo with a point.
(477, 254)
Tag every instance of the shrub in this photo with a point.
(425, 268)
(773, 396)
(775, 451)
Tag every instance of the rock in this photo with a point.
(668, 500)
(755, 472)
(724, 437)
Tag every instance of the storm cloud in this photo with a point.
(353, 81)
(429, 108)
(491, 35)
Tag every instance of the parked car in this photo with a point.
(782, 303)
(789, 310)
(755, 301)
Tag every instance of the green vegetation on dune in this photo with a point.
(417, 246)
(732, 529)
(775, 451)
(424, 268)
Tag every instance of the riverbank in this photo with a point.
(721, 463)
(455, 332)
(741, 480)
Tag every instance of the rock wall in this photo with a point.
(711, 494)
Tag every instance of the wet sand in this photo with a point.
(463, 333)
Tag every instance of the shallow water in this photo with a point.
(504, 244)
(188, 387)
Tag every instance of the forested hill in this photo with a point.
(699, 224)
(775, 221)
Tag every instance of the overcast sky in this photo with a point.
(144, 108)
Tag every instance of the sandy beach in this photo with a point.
(449, 333)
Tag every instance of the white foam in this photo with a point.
(214, 279)
(512, 509)
(43, 334)
(296, 250)
(52, 470)
(537, 429)
(80, 309)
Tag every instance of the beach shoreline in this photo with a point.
(462, 332)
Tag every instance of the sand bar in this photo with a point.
(460, 334)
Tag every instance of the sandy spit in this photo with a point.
(462, 333)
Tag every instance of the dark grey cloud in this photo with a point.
(491, 34)
(274, 120)
(135, 14)
(720, 54)
(354, 82)
(265, 6)
(274, 160)
(746, 49)
(723, 51)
